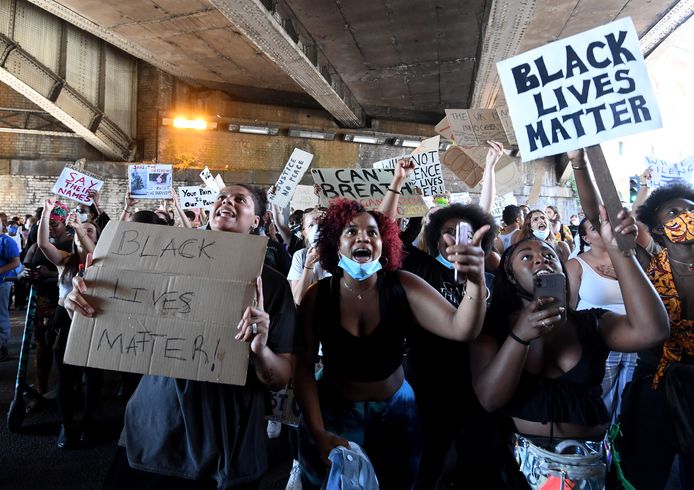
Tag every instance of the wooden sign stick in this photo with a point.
(610, 198)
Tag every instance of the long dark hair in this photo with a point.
(72, 263)
(506, 299)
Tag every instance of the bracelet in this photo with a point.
(518, 339)
(478, 299)
(393, 191)
(308, 268)
(581, 167)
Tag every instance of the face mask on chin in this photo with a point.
(445, 262)
(681, 228)
(358, 271)
(541, 234)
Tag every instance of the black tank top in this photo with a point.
(373, 357)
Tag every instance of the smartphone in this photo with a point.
(463, 236)
(552, 284)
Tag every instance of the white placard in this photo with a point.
(291, 175)
(579, 91)
(428, 174)
(664, 172)
(220, 182)
(304, 197)
(209, 181)
(76, 185)
(150, 181)
(196, 197)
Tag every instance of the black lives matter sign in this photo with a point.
(579, 91)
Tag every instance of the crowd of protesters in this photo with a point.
(433, 360)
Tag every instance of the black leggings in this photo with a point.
(70, 377)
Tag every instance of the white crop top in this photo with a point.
(597, 291)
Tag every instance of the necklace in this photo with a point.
(690, 265)
(355, 293)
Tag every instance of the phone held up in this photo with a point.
(463, 236)
(551, 284)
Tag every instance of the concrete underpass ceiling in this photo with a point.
(404, 60)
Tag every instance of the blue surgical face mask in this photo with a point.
(358, 271)
(445, 262)
(541, 234)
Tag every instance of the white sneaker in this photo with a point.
(273, 429)
(294, 482)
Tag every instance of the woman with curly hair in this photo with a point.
(361, 315)
(658, 405)
(536, 224)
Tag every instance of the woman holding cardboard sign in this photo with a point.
(361, 316)
(212, 433)
(86, 235)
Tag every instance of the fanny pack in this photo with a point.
(571, 464)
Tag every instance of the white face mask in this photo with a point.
(541, 234)
(84, 217)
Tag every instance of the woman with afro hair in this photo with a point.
(361, 316)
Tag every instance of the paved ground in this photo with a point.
(30, 458)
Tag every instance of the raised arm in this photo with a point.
(282, 226)
(402, 171)
(488, 192)
(274, 370)
(85, 241)
(127, 210)
(646, 323)
(587, 193)
(181, 215)
(436, 314)
(52, 253)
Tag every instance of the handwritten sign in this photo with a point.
(368, 186)
(291, 175)
(196, 197)
(168, 300)
(428, 174)
(76, 185)
(474, 127)
(579, 91)
(150, 181)
(664, 172)
(210, 181)
(443, 128)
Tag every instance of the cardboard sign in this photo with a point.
(368, 186)
(210, 181)
(150, 181)
(290, 177)
(505, 118)
(579, 91)
(664, 172)
(464, 167)
(196, 197)
(444, 129)
(76, 184)
(474, 127)
(428, 174)
(168, 301)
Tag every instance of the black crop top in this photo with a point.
(369, 358)
(575, 396)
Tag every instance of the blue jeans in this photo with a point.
(5, 288)
(387, 430)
